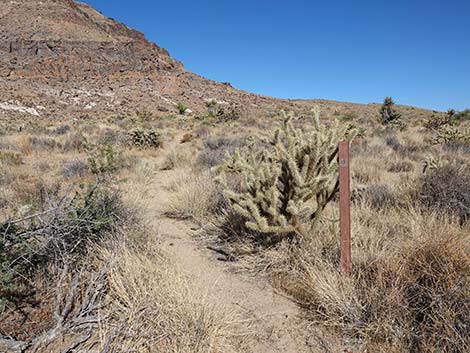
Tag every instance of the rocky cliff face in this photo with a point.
(66, 40)
(64, 56)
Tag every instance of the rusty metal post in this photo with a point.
(344, 207)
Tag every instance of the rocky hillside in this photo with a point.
(63, 59)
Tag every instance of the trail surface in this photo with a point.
(271, 317)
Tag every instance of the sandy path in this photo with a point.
(272, 318)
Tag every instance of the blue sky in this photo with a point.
(416, 51)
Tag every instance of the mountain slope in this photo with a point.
(61, 58)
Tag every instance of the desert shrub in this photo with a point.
(111, 136)
(8, 146)
(5, 176)
(348, 116)
(404, 149)
(462, 116)
(288, 185)
(145, 138)
(412, 150)
(42, 165)
(197, 197)
(228, 113)
(62, 129)
(103, 160)
(143, 115)
(175, 158)
(454, 147)
(43, 143)
(74, 142)
(388, 114)
(11, 157)
(393, 142)
(421, 292)
(216, 149)
(446, 189)
(224, 112)
(400, 167)
(378, 196)
(434, 282)
(202, 131)
(59, 234)
(181, 108)
(74, 169)
(409, 289)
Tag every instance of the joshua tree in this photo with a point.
(288, 182)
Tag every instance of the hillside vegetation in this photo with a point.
(81, 259)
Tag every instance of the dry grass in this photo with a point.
(196, 196)
(411, 280)
(156, 308)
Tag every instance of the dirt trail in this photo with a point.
(272, 317)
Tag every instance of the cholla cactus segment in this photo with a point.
(289, 181)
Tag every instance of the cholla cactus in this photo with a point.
(290, 182)
(451, 134)
(431, 163)
(145, 138)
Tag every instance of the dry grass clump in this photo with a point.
(400, 167)
(11, 158)
(75, 169)
(197, 196)
(216, 149)
(447, 189)
(177, 158)
(410, 287)
(377, 195)
(155, 308)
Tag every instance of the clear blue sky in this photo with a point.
(360, 51)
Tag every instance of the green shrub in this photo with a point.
(289, 183)
(102, 159)
(222, 111)
(60, 233)
(181, 108)
(348, 116)
(145, 138)
(462, 116)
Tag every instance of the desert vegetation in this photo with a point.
(409, 290)
(81, 263)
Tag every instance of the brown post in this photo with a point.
(344, 207)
